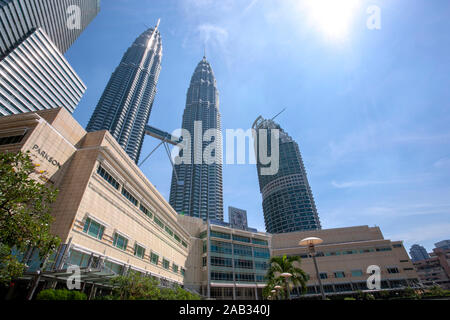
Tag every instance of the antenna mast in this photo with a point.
(279, 113)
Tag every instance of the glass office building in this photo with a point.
(34, 35)
(125, 106)
(63, 21)
(288, 203)
(196, 188)
(36, 76)
(235, 261)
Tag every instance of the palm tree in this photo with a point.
(284, 264)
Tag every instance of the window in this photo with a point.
(392, 270)
(260, 242)
(260, 278)
(128, 195)
(174, 268)
(221, 262)
(184, 244)
(205, 248)
(139, 251)
(154, 258)
(146, 211)
(222, 276)
(261, 253)
(94, 229)
(183, 272)
(204, 261)
(408, 269)
(357, 273)
(241, 250)
(221, 235)
(261, 265)
(366, 250)
(323, 275)
(203, 235)
(120, 241)
(166, 264)
(177, 238)
(397, 245)
(245, 277)
(11, 139)
(339, 274)
(168, 230)
(243, 264)
(241, 239)
(105, 175)
(384, 249)
(221, 247)
(158, 222)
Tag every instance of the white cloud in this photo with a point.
(442, 163)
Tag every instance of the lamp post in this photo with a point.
(286, 277)
(278, 288)
(310, 243)
(274, 293)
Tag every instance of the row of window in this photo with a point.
(239, 250)
(11, 140)
(108, 177)
(345, 252)
(240, 277)
(354, 273)
(96, 230)
(235, 237)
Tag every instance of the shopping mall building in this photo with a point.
(111, 219)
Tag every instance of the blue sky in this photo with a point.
(370, 109)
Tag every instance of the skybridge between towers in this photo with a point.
(165, 138)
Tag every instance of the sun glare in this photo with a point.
(333, 17)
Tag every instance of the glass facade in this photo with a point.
(34, 36)
(235, 259)
(20, 17)
(288, 203)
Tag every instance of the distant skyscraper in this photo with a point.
(196, 189)
(288, 203)
(237, 218)
(418, 253)
(125, 106)
(34, 35)
(58, 19)
(444, 244)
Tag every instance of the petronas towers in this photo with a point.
(196, 188)
(125, 106)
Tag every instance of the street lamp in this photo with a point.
(310, 243)
(277, 288)
(286, 276)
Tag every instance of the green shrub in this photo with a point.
(350, 299)
(60, 294)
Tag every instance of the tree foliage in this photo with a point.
(25, 219)
(136, 286)
(284, 264)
